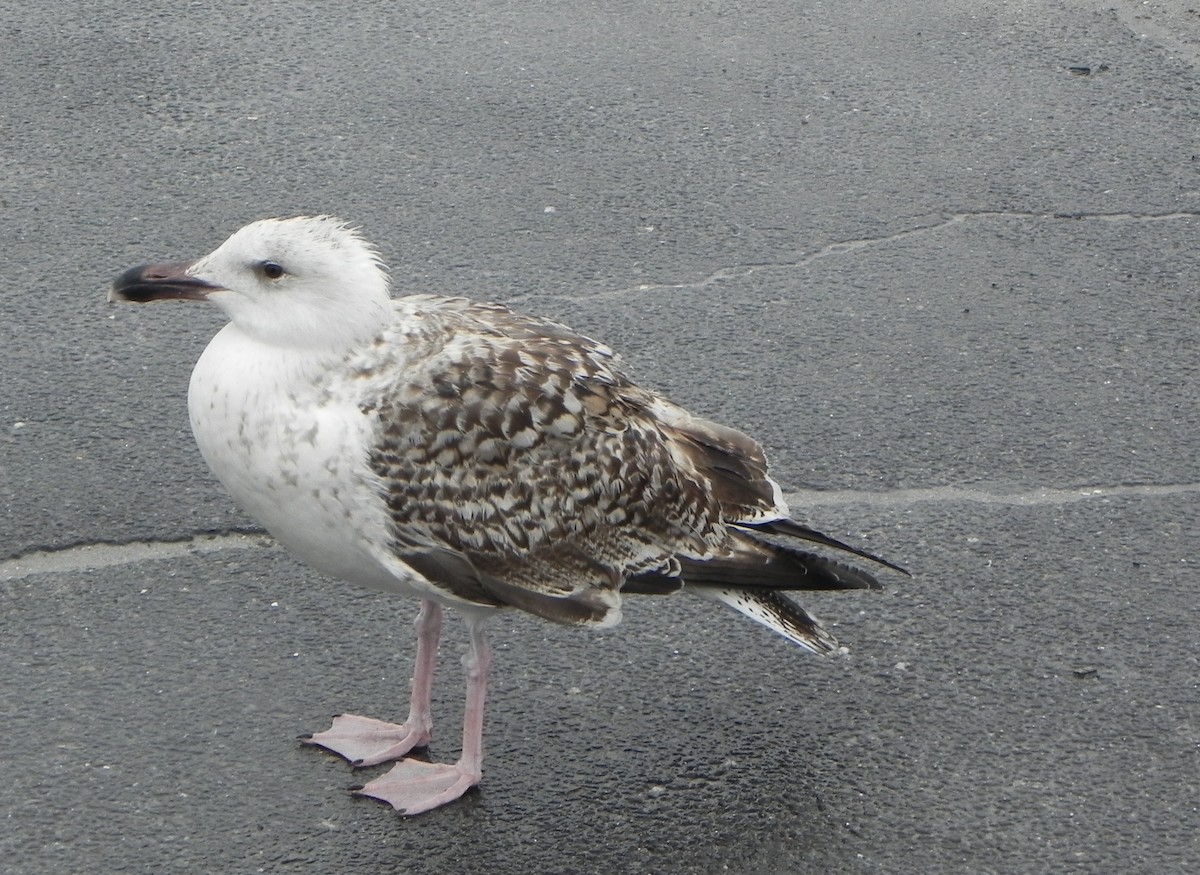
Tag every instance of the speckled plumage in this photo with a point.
(469, 455)
(525, 448)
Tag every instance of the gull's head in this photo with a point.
(309, 281)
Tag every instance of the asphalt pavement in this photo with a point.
(940, 259)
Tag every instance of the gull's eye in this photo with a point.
(271, 270)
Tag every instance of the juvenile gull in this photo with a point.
(469, 456)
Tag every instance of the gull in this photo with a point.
(472, 457)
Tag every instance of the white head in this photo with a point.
(309, 281)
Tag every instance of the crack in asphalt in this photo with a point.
(842, 247)
(89, 557)
(955, 494)
(80, 558)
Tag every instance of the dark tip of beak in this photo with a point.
(159, 282)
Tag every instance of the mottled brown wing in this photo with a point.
(522, 447)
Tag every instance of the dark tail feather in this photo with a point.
(757, 563)
(791, 529)
(765, 561)
(760, 565)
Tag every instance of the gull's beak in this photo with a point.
(160, 282)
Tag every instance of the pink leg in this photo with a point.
(365, 741)
(413, 786)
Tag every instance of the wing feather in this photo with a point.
(524, 448)
(521, 466)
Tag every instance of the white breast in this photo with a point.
(293, 455)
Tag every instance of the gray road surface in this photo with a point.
(940, 258)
